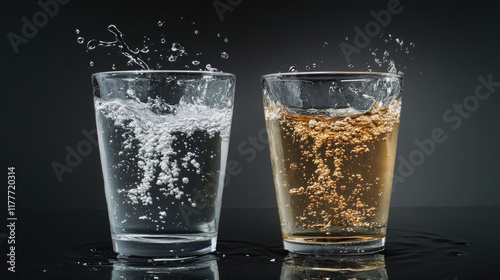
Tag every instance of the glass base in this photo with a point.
(347, 246)
(163, 246)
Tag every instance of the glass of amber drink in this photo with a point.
(333, 138)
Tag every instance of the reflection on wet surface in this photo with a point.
(204, 267)
(321, 267)
(441, 248)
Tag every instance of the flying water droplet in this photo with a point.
(91, 44)
(172, 58)
(346, 38)
(80, 40)
(196, 32)
(195, 62)
(293, 68)
(113, 67)
(218, 35)
(91, 63)
(145, 49)
(209, 67)
(224, 55)
(226, 40)
(77, 31)
(386, 53)
(350, 65)
(369, 68)
(163, 40)
(307, 67)
(160, 23)
(314, 65)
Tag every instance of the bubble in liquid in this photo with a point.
(91, 63)
(77, 31)
(293, 68)
(224, 55)
(80, 40)
(195, 62)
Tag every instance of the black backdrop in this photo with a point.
(47, 101)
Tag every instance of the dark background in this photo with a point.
(47, 95)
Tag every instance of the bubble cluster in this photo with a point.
(333, 171)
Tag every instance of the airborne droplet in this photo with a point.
(224, 55)
(80, 40)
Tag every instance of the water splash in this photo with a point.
(123, 48)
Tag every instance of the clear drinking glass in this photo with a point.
(332, 138)
(163, 140)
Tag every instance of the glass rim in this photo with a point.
(330, 73)
(145, 72)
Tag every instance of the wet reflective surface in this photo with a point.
(422, 243)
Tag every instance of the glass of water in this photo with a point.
(163, 141)
(333, 138)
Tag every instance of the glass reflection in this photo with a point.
(203, 267)
(297, 267)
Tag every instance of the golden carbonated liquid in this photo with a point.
(333, 175)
